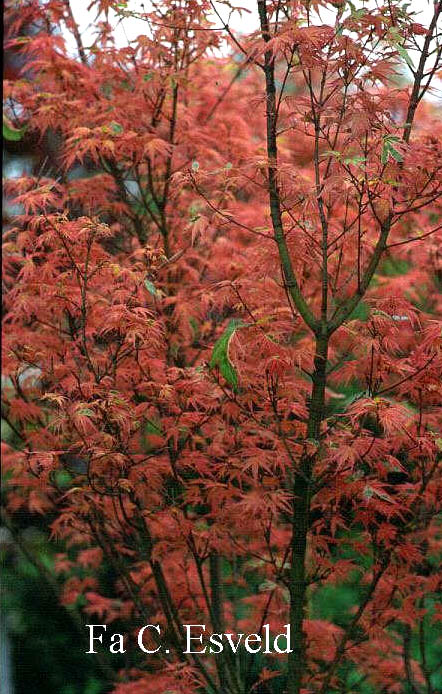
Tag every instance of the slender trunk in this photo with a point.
(290, 280)
(300, 525)
(217, 609)
(302, 476)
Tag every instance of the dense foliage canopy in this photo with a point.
(222, 336)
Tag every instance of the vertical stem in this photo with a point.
(416, 93)
(217, 608)
(216, 589)
(300, 521)
(165, 196)
(272, 172)
(75, 30)
(302, 476)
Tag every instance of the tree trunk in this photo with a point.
(300, 525)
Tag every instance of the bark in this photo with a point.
(302, 476)
(302, 489)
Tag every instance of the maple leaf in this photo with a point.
(221, 356)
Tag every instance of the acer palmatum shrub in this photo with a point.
(222, 339)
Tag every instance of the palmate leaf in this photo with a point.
(395, 154)
(220, 355)
(397, 41)
(405, 55)
(388, 149)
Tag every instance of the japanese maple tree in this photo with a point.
(222, 337)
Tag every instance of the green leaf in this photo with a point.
(405, 55)
(152, 427)
(86, 412)
(356, 160)
(12, 134)
(361, 312)
(331, 153)
(396, 40)
(63, 478)
(356, 14)
(388, 150)
(395, 154)
(116, 128)
(195, 327)
(6, 431)
(394, 268)
(195, 166)
(150, 287)
(220, 355)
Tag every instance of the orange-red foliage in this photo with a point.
(129, 258)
